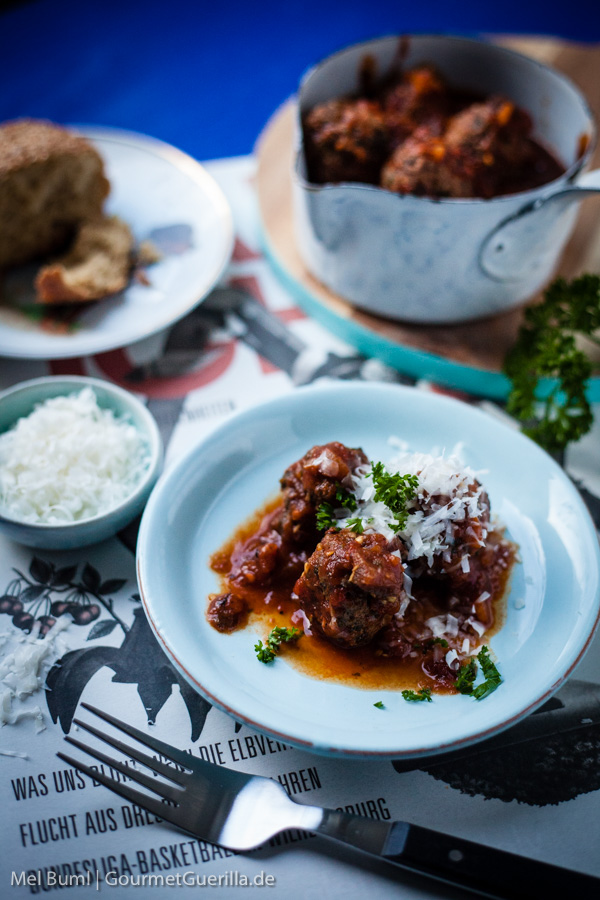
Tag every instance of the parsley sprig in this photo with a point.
(468, 673)
(466, 677)
(267, 652)
(417, 696)
(546, 347)
(391, 488)
(395, 491)
(356, 524)
(465, 682)
(491, 674)
(326, 517)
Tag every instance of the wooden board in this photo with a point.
(467, 356)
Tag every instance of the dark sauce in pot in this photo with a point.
(413, 133)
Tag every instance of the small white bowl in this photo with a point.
(20, 401)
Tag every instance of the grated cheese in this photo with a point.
(476, 625)
(23, 672)
(449, 497)
(69, 460)
(443, 626)
(403, 606)
(451, 657)
(299, 616)
(429, 528)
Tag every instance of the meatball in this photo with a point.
(346, 140)
(265, 554)
(486, 142)
(485, 575)
(258, 558)
(463, 533)
(480, 150)
(312, 480)
(422, 166)
(226, 612)
(351, 587)
(497, 127)
(419, 99)
(468, 536)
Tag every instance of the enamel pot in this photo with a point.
(420, 259)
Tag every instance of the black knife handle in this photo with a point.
(485, 870)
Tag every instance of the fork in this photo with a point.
(241, 812)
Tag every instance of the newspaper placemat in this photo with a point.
(246, 343)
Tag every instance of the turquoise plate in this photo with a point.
(552, 608)
(406, 359)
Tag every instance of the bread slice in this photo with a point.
(50, 181)
(98, 264)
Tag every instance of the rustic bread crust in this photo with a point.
(28, 141)
(98, 264)
(50, 181)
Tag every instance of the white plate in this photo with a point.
(153, 186)
(200, 501)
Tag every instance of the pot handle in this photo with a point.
(528, 240)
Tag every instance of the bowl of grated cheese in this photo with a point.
(78, 460)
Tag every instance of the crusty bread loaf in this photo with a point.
(50, 181)
(97, 264)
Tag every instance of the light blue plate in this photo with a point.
(406, 359)
(199, 502)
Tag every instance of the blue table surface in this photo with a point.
(206, 77)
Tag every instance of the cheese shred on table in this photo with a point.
(69, 460)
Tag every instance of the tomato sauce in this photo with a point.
(364, 667)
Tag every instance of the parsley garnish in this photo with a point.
(326, 517)
(546, 347)
(468, 672)
(267, 652)
(395, 491)
(416, 696)
(355, 525)
(466, 677)
(264, 653)
(491, 674)
(345, 498)
(380, 704)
